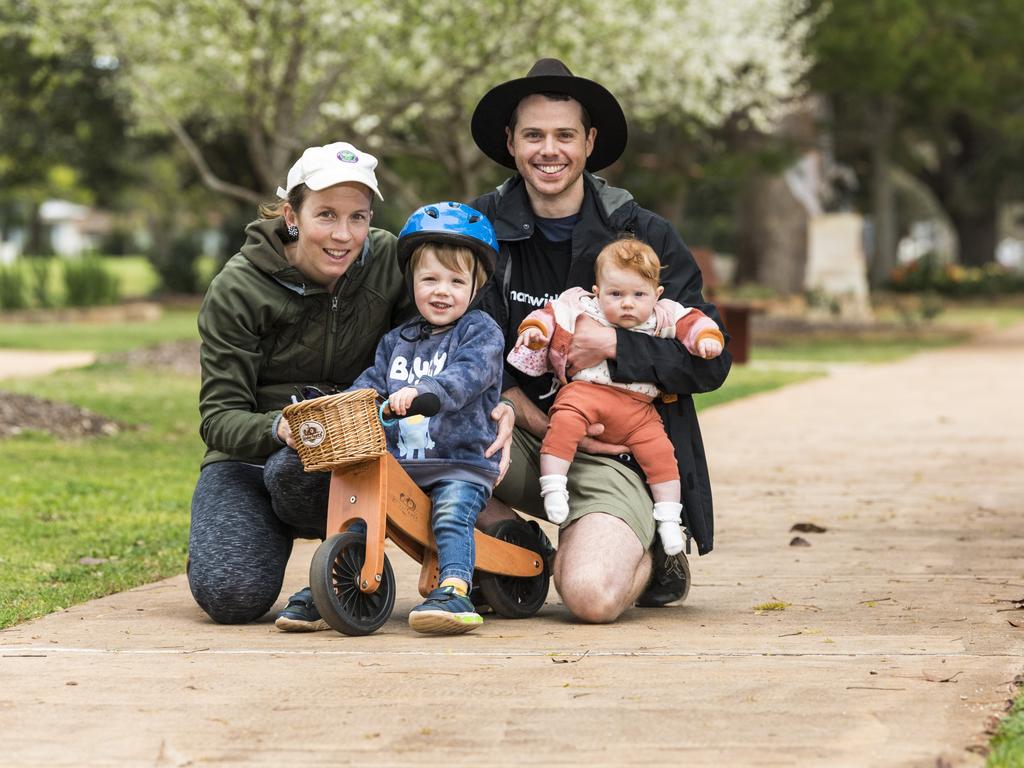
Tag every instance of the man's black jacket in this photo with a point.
(607, 214)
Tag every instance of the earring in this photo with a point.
(293, 231)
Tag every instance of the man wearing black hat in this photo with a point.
(552, 218)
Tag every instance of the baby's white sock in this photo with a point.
(669, 515)
(556, 498)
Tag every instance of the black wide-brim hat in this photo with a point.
(491, 116)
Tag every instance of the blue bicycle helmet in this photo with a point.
(448, 222)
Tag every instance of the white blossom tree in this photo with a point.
(402, 78)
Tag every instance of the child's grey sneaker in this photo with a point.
(445, 612)
(300, 615)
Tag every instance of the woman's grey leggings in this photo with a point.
(244, 520)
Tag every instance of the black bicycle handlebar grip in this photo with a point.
(426, 404)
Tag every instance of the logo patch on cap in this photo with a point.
(347, 156)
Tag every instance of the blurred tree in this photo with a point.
(402, 78)
(935, 88)
(64, 132)
(61, 130)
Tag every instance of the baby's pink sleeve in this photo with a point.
(694, 326)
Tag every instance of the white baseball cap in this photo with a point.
(322, 167)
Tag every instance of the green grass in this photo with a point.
(136, 275)
(845, 350)
(173, 324)
(122, 498)
(744, 381)
(998, 315)
(955, 324)
(1007, 745)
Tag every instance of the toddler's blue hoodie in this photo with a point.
(463, 367)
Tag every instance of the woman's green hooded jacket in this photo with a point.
(267, 331)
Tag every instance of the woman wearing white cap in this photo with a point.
(302, 305)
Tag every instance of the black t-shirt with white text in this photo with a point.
(540, 269)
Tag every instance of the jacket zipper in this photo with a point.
(332, 330)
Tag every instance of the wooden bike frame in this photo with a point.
(380, 492)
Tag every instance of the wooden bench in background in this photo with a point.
(735, 314)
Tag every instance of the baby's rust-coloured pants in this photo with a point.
(629, 418)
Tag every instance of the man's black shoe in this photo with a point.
(670, 579)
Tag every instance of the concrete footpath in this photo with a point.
(893, 647)
(24, 363)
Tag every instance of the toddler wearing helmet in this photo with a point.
(454, 351)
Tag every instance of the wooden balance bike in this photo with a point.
(351, 578)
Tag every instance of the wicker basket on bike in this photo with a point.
(336, 429)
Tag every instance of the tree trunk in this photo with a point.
(978, 235)
(671, 206)
(883, 198)
(969, 187)
(35, 243)
(773, 236)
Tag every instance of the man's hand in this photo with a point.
(590, 443)
(591, 343)
(505, 415)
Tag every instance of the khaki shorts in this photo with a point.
(596, 484)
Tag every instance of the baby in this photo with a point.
(626, 296)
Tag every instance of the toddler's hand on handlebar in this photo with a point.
(399, 402)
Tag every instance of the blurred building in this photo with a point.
(74, 229)
(66, 229)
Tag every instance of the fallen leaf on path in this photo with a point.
(808, 528)
(798, 541)
(572, 661)
(934, 678)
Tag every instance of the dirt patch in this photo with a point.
(64, 420)
(21, 412)
(178, 356)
